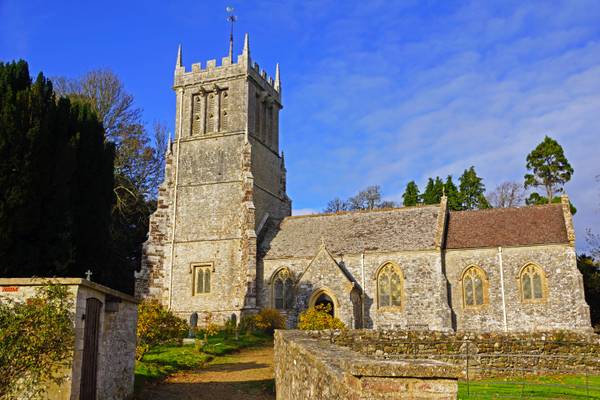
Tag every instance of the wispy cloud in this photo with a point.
(469, 85)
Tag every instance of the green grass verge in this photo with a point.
(221, 344)
(543, 387)
(162, 361)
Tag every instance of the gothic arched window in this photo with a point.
(283, 290)
(533, 283)
(474, 284)
(390, 284)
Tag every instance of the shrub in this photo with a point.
(36, 341)
(231, 327)
(318, 317)
(269, 319)
(248, 323)
(157, 325)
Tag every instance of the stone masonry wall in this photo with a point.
(563, 308)
(117, 336)
(223, 176)
(309, 368)
(425, 302)
(489, 354)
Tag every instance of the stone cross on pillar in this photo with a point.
(88, 275)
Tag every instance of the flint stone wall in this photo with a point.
(307, 367)
(489, 354)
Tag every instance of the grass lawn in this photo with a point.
(162, 361)
(544, 387)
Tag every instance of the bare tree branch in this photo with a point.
(507, 194)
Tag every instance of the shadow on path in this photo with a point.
(247, 375)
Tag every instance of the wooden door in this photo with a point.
(89, 364)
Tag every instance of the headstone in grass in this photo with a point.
(234, 324)
(193, 325)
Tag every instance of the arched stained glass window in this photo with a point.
(389, 286)
(474, 283)
(283, 290)
(532, 283)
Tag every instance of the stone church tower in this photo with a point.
(224, 178)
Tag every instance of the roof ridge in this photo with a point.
(374, 210)
(482, 210)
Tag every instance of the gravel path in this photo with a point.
(246, 375)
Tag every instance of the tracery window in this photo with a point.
(283, 290)
(389, 286)
(474, 284)
(532, 280)
(202, 276)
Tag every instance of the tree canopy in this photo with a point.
(549, 169)
(367, 199)
(139, 163)
(56, 175)
(472, 190)
(507, 194)
(411, 196)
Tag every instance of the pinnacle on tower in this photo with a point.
(246, 51)
(277, 79)
(179, 63)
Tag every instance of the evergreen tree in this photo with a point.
(138, 167)
(411, 196)
(472, 190)
(433, 191)
(56, 179)
(453, 195)
(549, 168)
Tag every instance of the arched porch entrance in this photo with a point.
(325, 297)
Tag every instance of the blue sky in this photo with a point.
(375, 92)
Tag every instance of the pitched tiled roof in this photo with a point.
(410, 228)
(506, 227)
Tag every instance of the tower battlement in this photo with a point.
(212, 70)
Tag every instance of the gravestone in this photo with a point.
(193, 325)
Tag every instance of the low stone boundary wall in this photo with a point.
(481, 355)
(308, 366)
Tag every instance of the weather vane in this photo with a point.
(231, 18)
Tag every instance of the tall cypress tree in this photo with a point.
(56, 178)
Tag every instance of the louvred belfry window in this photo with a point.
(210, 113)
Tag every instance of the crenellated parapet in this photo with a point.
(212, 70)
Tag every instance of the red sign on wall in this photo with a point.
(10, 288)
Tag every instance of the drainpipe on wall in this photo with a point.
(180, 133)
(362, 303)
(502, 288)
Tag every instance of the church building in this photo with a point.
(223, 240)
